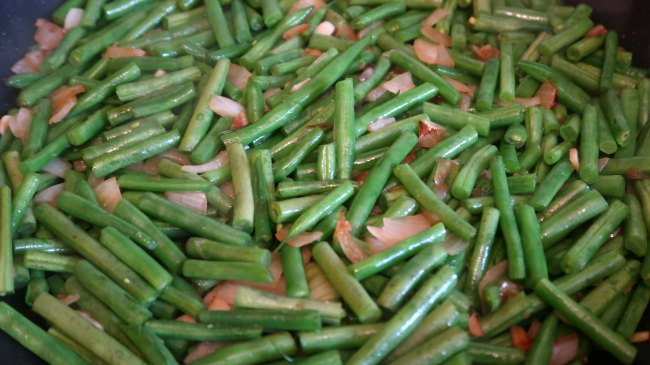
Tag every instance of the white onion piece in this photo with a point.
(203, 349)
(454, 244)
(465, 102)
(395, 230)
(92, 320)
(20, 124)
(240, 121)
(350, 247)
(63, 100)
(186, 318)
(474, 327)
(57, 167)
(68, 299)
(226, 292)
(459, 86)
(325, 28)
(94, 180)
(295, 31)
(226, 107)
(304, 238)
(123, 52)
(238, 76)
(436, 37)
(319, 287)
(363, 32)
(602, 162)
(641, 336)
(48, 35)
(436, 16)
(400, 83)
(31, 62)
(194, 200)
(270, 92)
(429, 133)
(301, 4)
(228, 189)
(108, 194)
(366, 74)
(376, 93)
(219, 305)
(73, 18)
(528, 102)
(219, 160)
(159, 73)
(299, 85)
(426, 51)
(4, 122)
(565, 349)
(444, 57)
(174, 155)
(493, 275)
(49, 195)
(574, 159)
(380, 123)
(444, 169)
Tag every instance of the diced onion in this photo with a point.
(350, 247)
(493, 275)
(547, 94)
(301, 4)
(485, 52)
(108, 194)
(596, 31)
(294, 31)
(159, 73)
(642, 336)
(204, 349)
(49, 195)
(219, 160)
(474, 326)
(454, 244)
(380, 123)
(175, 155)
(395, 230)
(304, 238)
(90, 319)
(63, 100)
(239, 122)
(226, 107)
(238, 76)
(429, 133)
(325, 28)
(31, 62)
(435, 36)
(436, 16)
(565, 349)
(400, 83)
(68, 299)
(270, 92)
(302, 83)
(574, 158)
(48, 35)
(194, 200)
(57, 167)
(460, 87)
(366, 74)
(20, 124)
(376, 93)
(520, 338)
(363, 32)
(73, 18)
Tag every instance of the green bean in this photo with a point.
(378, 13)
(486, 89)
(406, 319)
(618, 124)
(457, 119)
(570, 216)
(270, 347)
(595, 236)
(429, 201)
(60, 54)
(79, 329)
(120, 302)
(341, 337)
(295, 280)
(6, 251)
(397, 253)
(635, 229)
(351, 291)
(425, 74)
(465, 180)
(49, 262)
(481, 252)
(135, 258)
(369, 192)
(566, 37)
(411, 274)
(551, 185)
(614, 312)
(597, 300)
(160, 101)
(167, 329)
(609, 60)
(35, 339)
(634, 311)
(493, 354)
(589, 324)
(191, 221)
(299, 320)
(507, 220)
(344, 132)
(331, 312)
(151, 346)
(437, 349)
(44, 86)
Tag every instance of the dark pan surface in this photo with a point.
(631, 18)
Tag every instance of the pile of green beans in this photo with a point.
(246, 186)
